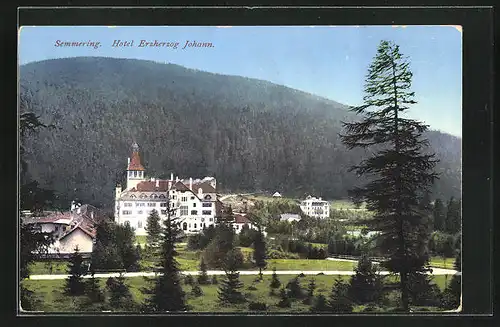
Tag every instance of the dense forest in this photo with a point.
(251, 135)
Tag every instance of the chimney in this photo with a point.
(92, 214)
(128, 162)
(176, 178)
(171, 176)
(169, 184)
(200, 191)
(191, 183)
(157, 183)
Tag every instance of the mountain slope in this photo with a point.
(250, 134)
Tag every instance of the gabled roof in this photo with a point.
(135, 162)
(90, 231)
(241, 219)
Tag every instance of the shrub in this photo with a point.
(295, 290)
(320, 304)
(188, 280)
(284, 299)
(196, 290)
(257, 306)
(252, 288)
(214, 280)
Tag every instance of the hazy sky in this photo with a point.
(329, 61)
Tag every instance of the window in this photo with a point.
(174, 197)
(130, 174)
(139, 212)
(194, 225)
(206, 212)
(135, 174)
(208, 197)
(184, 199)
(189, 225)
(163, 204)
(163, 212)
(142, 196)
(162, 196)
(133, 196)
(211, 219)
(237, 226)
(194, 205)
(183, 210)
(126, 212)
(151, 204)
(139, 224)
(207, 204)
(192, 198)
(184, 226)
(194, 212)
(126, 222)
(127, 204)
(202, 219)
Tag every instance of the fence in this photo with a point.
(353, 257)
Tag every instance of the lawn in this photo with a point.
(49, 292)
(439, 262)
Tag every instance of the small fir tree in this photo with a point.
(310, 291)
(366, 285)
(229, 289)
(275, 282)
(202, 276)
(284, 299)
(214, 280)
(295, 289)
(93, 290)
(339, 301)
(120, 298)
(74, 283)
(320, 304)
(196, 290)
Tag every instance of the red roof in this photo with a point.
(50, 218)
(84, 227)
(205, 187)
(150, 186)
(135, 162)
(240, 219)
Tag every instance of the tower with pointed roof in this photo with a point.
(135, 170)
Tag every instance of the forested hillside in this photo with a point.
(250, 134)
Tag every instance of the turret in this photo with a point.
(135, 170)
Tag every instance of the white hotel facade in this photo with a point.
(195, 200)
(315, 207)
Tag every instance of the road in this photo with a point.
(436, 271)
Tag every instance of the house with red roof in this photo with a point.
(193, 201)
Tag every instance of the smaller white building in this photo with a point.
(277, 195)
(315, 207)
(290, 217)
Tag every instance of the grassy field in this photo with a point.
(51, 299)
(439, 262)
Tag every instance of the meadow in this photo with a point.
(51, 299)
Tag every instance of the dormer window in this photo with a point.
(208, 197)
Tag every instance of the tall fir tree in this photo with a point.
(75, 285)
(439, 215)
(399, 169)
(125, 240)
(259, 253)
(167, 293)
(153, 229)
(224, 240)
(453, 216)
(230, 287)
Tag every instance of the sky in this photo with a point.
(330, 61)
